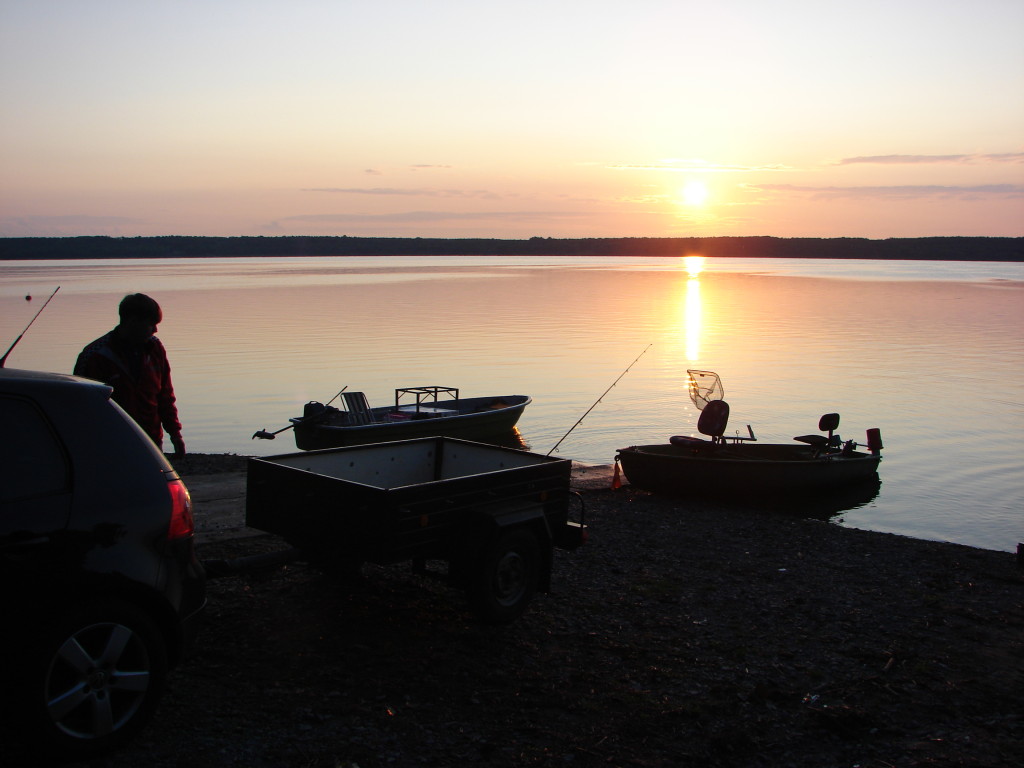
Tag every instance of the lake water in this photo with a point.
(930, 352)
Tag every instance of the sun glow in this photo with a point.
(694, 265)
(694, 193)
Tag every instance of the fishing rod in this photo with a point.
(264, 435)
(3, 359)
(598, 400)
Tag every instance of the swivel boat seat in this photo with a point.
(712, 422)
(821, 444)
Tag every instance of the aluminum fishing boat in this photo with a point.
(430, 411)
(738, 467)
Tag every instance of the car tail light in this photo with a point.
(182, 525)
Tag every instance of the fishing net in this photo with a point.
(705, 386)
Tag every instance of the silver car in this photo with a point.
(101, 589)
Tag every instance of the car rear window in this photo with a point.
(32, 462)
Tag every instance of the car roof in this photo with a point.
(19, 379)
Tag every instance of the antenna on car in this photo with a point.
(3, 359)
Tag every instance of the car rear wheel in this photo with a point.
(97, 678)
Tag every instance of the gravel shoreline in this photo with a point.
(682, 634)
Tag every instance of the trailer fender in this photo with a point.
(503, 515)
(496, 519)
(506, 572)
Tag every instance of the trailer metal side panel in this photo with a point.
(382, 466)
(395, 501)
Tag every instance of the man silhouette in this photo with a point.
(134, 362)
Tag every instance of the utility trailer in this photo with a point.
(493, 514)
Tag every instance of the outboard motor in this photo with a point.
(875, 440)
(313, 409)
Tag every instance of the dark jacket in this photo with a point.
(141, 380)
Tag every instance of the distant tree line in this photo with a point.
(176, 246)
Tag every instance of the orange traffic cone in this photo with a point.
(616, 480)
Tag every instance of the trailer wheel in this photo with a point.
(506, 577)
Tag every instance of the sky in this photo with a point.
(563, 118)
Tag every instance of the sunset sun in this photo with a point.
(694, 193)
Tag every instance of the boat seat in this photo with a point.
(712, 422)
(358, 407)
(827, 423)
(693, 443)
(714, 419)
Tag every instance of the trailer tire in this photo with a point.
(505, 577)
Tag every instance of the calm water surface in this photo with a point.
(930, 352)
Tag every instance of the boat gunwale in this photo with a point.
(670, 452)
(300, 421)
(673, 470)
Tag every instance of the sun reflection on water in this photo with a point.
(692, 314)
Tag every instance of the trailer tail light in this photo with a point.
(182, 525)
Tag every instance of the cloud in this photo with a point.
(672, 165)
(905, 192)
(974, 159)
(478, 194)
(414, 217)
(696, 165)
(414, 168)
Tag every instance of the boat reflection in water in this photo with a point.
(819, 506)
(511, 438)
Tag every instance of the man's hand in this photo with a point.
(179, 445)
